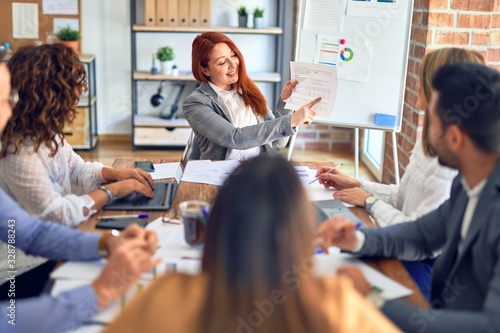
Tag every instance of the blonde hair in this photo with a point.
(428, 68)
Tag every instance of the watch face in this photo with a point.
(370, 199)
(375, 299)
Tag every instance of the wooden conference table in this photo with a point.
(193, 191)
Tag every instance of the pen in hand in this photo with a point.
(320, 240)
(329, 171)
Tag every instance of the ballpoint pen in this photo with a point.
(318, 241)
(329, 171)
(204, 216)
(120, 217)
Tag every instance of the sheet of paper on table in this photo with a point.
(315, 191)
(164, 170)
(208, 172)
(328, 265)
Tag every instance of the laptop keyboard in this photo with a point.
(162, 196)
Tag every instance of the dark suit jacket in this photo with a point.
(215, 134)
(465, 292)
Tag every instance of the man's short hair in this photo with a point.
(469, 97)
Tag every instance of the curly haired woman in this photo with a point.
(38, 167)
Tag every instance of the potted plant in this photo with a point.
(166, 54)
(242, 16)
(69, 37)
(258, 18)
(175, 70)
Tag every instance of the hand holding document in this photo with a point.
(314, 81)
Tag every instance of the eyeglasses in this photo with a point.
(13, 98)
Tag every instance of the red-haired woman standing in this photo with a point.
(228, 112)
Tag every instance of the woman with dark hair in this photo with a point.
(256, 270)
(228, 112)
(39, 168)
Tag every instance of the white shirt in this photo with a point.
(51, 188)
(424, 187)
(241, 116)
(473, 194)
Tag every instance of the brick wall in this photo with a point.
(324, 137)
(472, 24)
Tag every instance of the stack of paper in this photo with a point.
(208, 172)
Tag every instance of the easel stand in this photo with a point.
(356, 153)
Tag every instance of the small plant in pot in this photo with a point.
(242, 16)
(166, 56)
(69, 37)
(258, 18)
(175, 70)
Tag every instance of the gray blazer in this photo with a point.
(215, 134)
(465, 292)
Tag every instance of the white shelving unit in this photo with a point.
(156, 132)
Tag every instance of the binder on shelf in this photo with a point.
(172, 10)
(205, 12)
(162, 12)
(150, 12)
(194, 12)
(183, 13)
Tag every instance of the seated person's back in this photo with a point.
(260, 230)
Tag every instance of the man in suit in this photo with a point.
(465, 291)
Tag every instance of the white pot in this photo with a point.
(175, 71)
(166, 67)
(258, 22)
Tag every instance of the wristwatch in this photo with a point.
(103, 242)
(369, 202)
(107, 191)
(375, 299)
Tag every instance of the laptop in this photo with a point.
(327, 208)
(164, 192)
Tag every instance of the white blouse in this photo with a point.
(241, 116)
(424, 187)
(51, 188)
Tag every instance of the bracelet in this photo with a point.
(107, 191)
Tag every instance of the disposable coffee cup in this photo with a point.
(194, 215)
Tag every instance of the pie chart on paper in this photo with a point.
(346, 54)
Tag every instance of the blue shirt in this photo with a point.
(45, 313)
